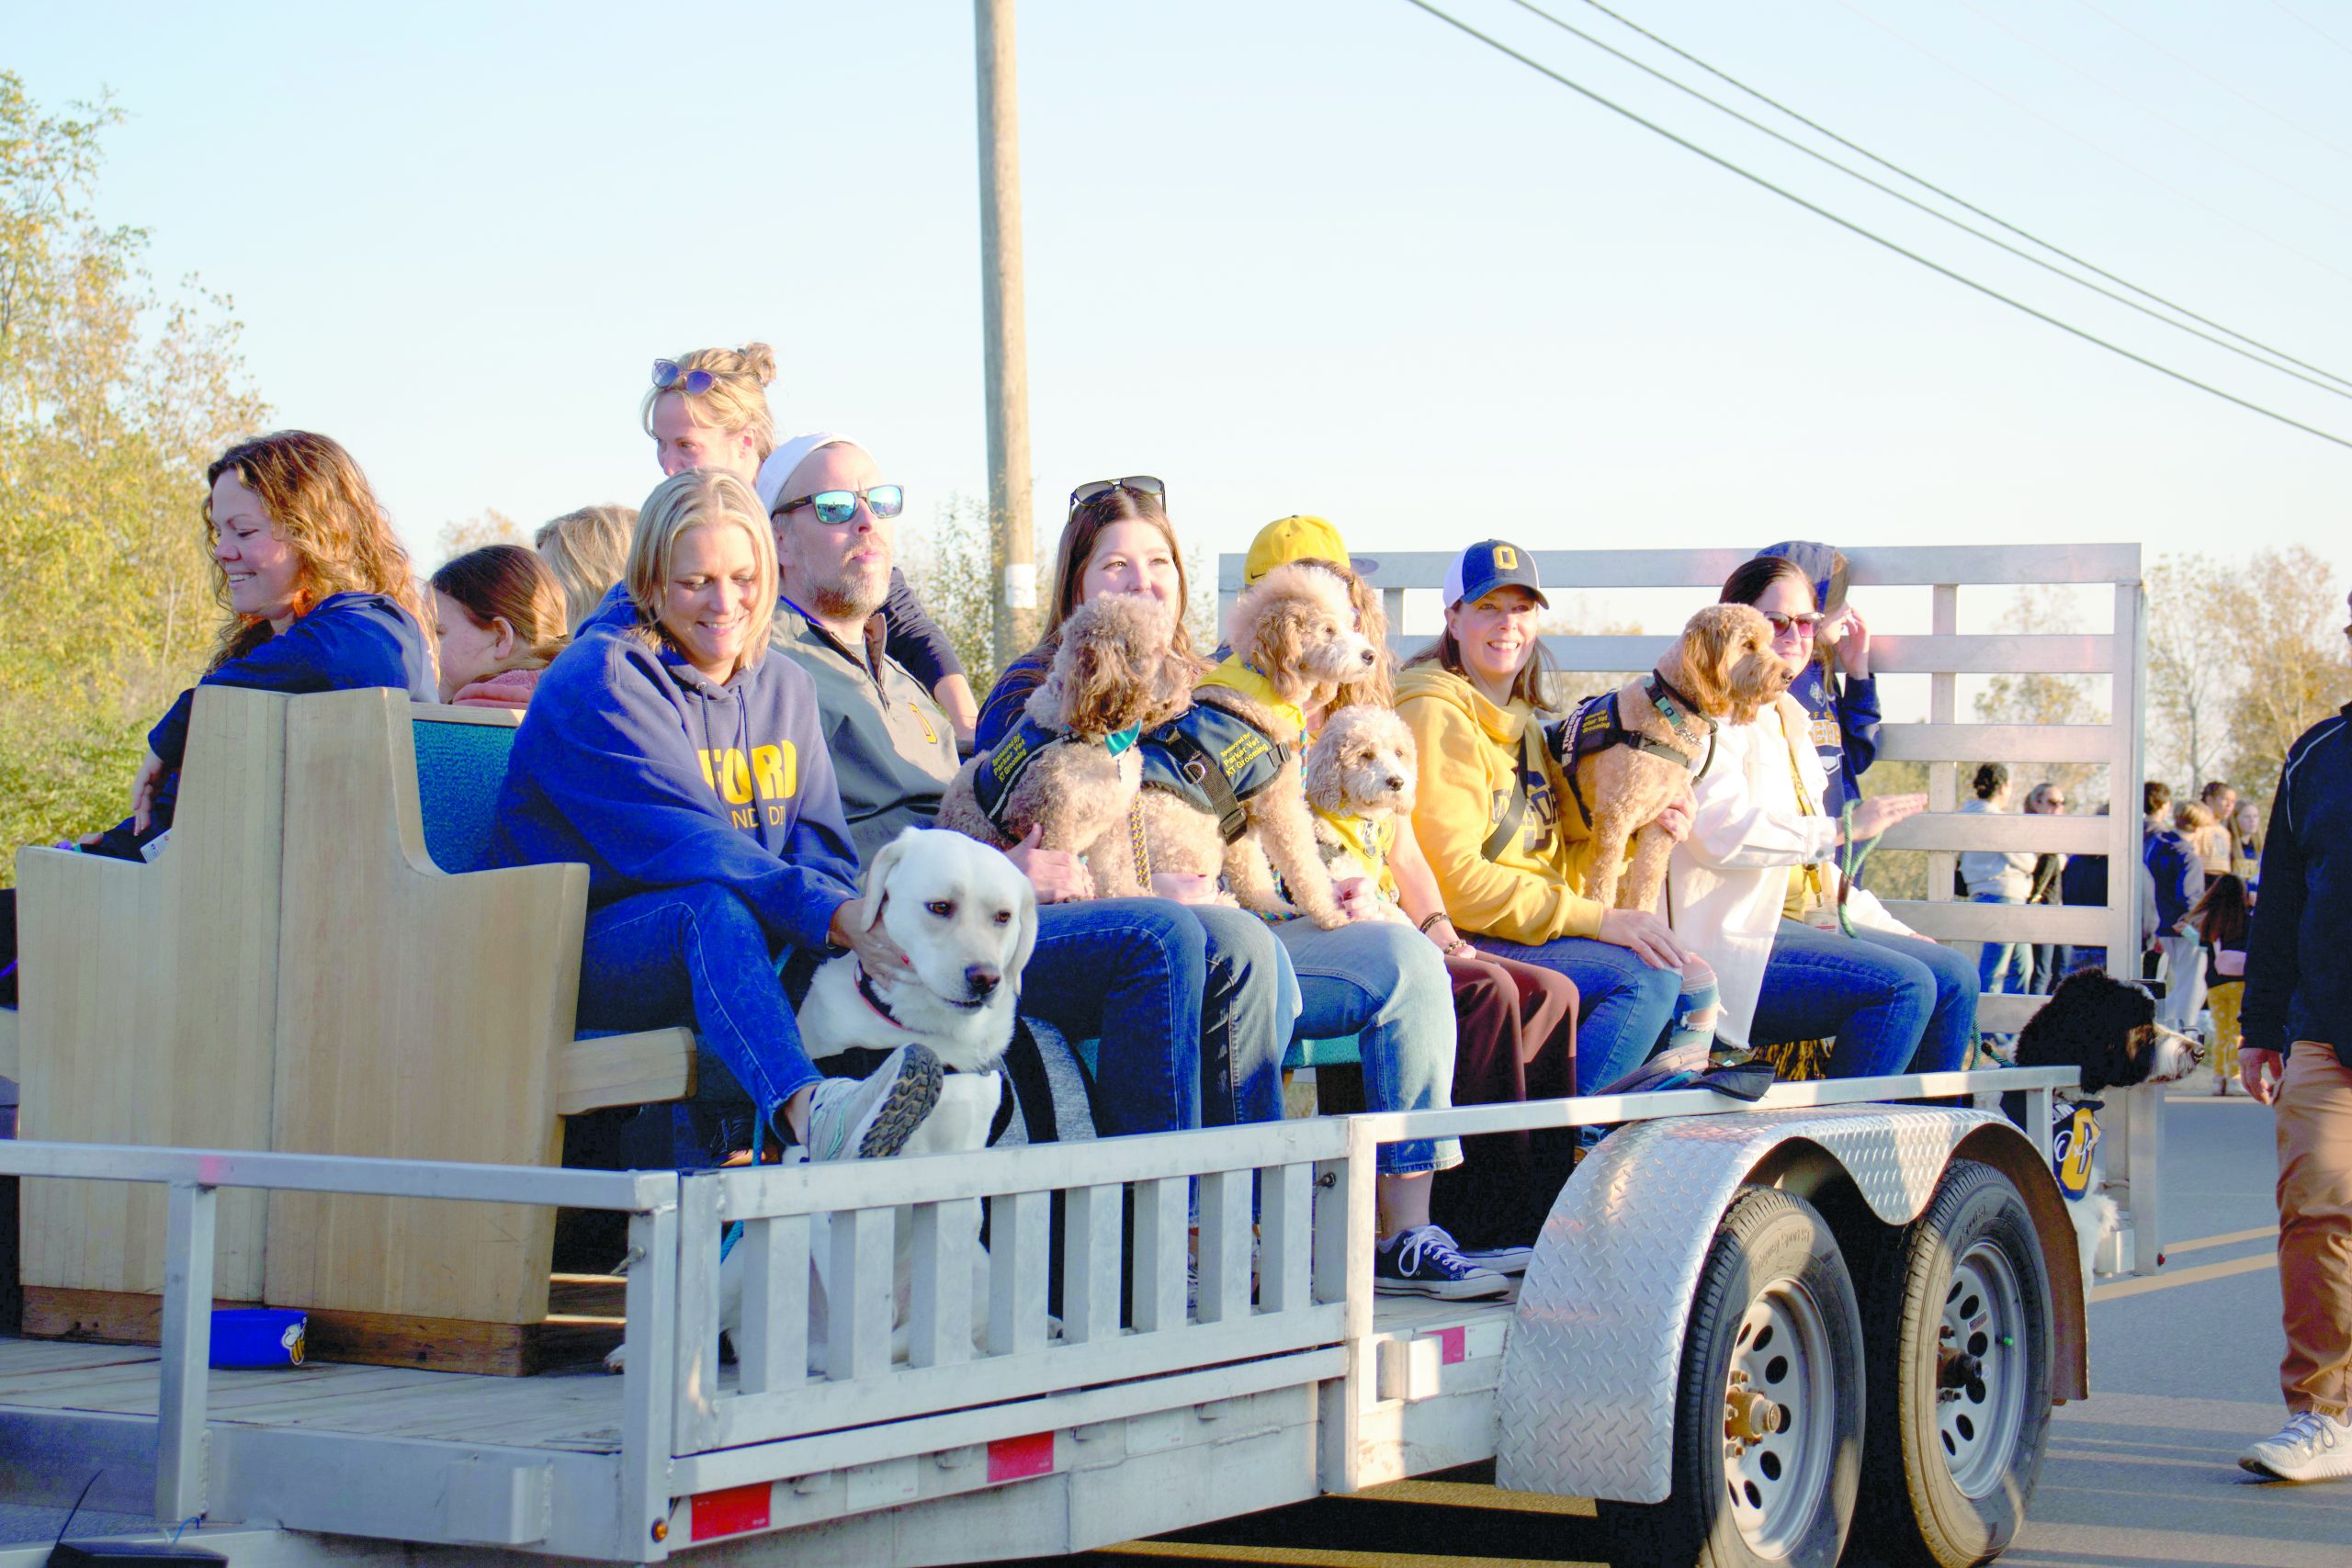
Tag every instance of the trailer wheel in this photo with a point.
(1959, 1348)
(1770, 1404)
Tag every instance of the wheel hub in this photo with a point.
(1982, 1371)
(1780, 1398)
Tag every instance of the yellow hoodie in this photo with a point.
(1469, 757)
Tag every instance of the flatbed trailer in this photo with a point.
(1141, 1405)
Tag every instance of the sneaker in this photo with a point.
(1501, 1260)
(2311, 1446)
(1423, 1261)
(873, 1117)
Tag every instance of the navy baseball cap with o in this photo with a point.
(1488, 565)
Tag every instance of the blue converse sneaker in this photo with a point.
(1423, 1261)
(1502, 1259)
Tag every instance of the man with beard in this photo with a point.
(1192, 1006)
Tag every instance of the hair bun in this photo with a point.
(760, 360)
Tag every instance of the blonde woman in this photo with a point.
(710, 408)
(587, 550)
(498, 620)
(316, 596)
(689, 771)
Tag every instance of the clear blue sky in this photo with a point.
(1291, 255)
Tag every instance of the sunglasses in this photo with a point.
(1803, 626)
(669, 376)
(835, 507)
(1134, 484)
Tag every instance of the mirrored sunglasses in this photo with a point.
(835, 507)
(1134, 484)
(669, 376)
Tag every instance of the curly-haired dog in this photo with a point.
(1221, 783)
(1071, 768)
(2108, 1027)
(1359, 780)
(1630, 753)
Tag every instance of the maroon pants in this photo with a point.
(1515, 1038)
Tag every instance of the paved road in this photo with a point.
(2185, 1363)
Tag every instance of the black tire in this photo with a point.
(1949, 1477)
(1774, 1271)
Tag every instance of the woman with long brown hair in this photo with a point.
(316, 596)
(498, 620)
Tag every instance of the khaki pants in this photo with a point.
(2314, 1112)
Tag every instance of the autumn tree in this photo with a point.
(489, 526)
(2281, 621)
(113, 398)
(2190, 673)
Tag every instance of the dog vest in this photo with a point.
(1597, 725)
(1368, 839)
(1014, 755)
(1213, 760)
(2073, 1135)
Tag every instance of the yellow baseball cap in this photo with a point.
(1300, 538)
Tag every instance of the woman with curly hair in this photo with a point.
(316, 596)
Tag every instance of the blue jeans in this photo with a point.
(1386, 984)
(696, 955)
(1186, 1004)
(1622, 1004)
(1995, 959)
(1893, 1003)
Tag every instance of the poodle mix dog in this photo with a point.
(1222, 790)
(2106, 1027)
(1071, 768)
(1630, 753)
(1359, 780)
(966, 919)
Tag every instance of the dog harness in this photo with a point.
(1597, 725)
(2074, 1134)
(1213, 760)
(1012, 757)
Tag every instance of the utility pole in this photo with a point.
(1005, 334)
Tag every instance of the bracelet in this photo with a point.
(1430, 921)
(1456, 947)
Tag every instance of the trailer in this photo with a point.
(1750, 1332)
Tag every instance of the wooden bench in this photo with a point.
(295, 972)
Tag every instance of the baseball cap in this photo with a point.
(1300, 538)
(1488, 565)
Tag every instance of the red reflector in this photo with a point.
(1017, 1458)
(731, 1512)
(1452, 1345)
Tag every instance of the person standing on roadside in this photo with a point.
(2297, 1056)
(2049, 961)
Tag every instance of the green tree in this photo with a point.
(2281, 622)
(113, 398)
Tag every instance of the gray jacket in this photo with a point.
(2005, 873)
(893, 749)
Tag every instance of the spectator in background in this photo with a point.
(587, 550)
(2082, 885)
(498, 619)
(2156, 817)
(710, 408)
(2222, 919)
(1997, 876)
(2049, 961)
(1835, 688)
(2217, 844)
(2170, 854)
(2248, 825)
(2298, 1055)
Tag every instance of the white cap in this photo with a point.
(777, 469)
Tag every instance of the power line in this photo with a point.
(2072, 134)
(1958, 200)
(1848, 224)
(1912, 201)
(2315, 27)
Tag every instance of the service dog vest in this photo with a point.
(1598, 724)
(1370, 840)
(1213, 760)
(1012, 757)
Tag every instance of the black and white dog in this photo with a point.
(2106, 1027)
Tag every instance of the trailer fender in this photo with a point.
(1586, 1403)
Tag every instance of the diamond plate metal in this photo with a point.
(1586, 1405)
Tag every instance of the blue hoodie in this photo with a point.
(2297, 984)
(1844, 710)
(347, 641)
(631, 760)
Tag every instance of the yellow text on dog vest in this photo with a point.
(2071, 1145)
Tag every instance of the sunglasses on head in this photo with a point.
(1134, 484)
(1803, 626)
(835, 507)
(669, 376)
